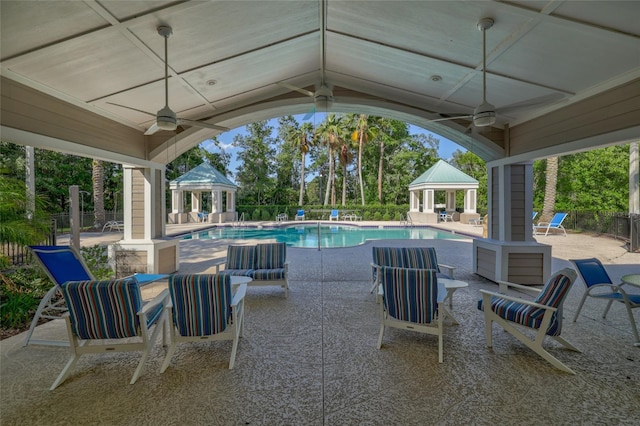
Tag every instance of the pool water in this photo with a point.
(329, 236)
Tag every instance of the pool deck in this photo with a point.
(311, 359)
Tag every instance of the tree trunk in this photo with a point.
(549, 205)
(380, 167)
(98, 194)
(301, 180)
(360, 144)
(330, 177)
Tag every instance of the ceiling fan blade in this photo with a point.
(133, 109)
(309, 113)
(296, 89)
(152, 129)
(540, 100)
(202, 124)
(454, 117)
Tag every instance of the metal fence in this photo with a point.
(19, 254)
(87, 221)
(621, 226)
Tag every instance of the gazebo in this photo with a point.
(202, 179)
(442, 177)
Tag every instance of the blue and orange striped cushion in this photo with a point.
(201, 303)
(270, 255)
(406, 257)
(240, 257)
(104, 309)
(552, 294)
(410, 294)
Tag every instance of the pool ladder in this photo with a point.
(240, 222)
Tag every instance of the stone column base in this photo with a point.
(519, 262)
(421, 217)
(161, 256)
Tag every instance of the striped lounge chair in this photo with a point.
(407, 257)
(203, 307)
(544, 314)
(101, 310)
(411, 301)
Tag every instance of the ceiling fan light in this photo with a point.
(323, 98)
(166, 119)
(484, 115)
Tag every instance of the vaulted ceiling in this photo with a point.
(89, 75)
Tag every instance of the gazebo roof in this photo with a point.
(204, 176)
(444, 174)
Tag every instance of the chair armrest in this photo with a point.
(161, 299)
(504, 286)
(238, 296)
(447, 267)
(218, 262)
(542, 224)
(518, 300)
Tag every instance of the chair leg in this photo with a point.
(65, 371)
(584, 297)
(380, 335)
(170, 352)
(606, 310)
(634, 328)
(234, 347)
(41, 307)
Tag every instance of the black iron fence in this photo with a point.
(621, 226)
(19, 254)
(87, 221)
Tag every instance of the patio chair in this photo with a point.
(555, 223)
(62, 264)
(600, 286)
(411, 301)
(300, 215)
(543, 315)
(103, 311)
(334, 215)
(202, 308)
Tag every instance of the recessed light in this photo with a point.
(211, 82)
(436, 78)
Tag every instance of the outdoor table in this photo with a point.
(632, 279)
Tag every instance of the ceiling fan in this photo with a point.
(322, 98)
(166, 119)
(485, 114)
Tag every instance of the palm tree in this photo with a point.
(329, 133)
(551, 176)
(385, 127)
(304, 141)
(346, 157)
(97, 178)
(361, 135)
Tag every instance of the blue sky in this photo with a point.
(447, 148)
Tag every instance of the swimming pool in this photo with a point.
(330, 236)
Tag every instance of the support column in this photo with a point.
(451, 201)
(428, 197)
(414, 205)
(196, 201)
(145, 247)
(231, 201)
(510, 252)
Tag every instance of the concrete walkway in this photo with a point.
(311, 359)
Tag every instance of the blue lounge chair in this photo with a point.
(555, 223)
(300, 215)
(600, 286)
(334, 215)
(62, 264)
